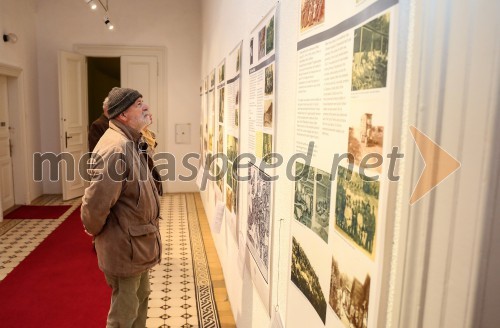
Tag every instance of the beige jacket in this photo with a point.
(121, 206)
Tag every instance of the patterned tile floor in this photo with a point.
(174, 283)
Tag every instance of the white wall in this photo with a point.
(18, 16)
(172, 24)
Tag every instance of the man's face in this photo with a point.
(137, 116)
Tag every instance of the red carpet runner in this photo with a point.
(58, 284)
(38, 212)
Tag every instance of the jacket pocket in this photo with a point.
(144, 244)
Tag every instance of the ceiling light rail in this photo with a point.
(93, 6)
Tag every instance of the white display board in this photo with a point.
(345, 76)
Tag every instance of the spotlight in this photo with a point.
(91, 4)
(108, 23)
(11, 37)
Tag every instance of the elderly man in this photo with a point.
(121, 209)
(99, 126)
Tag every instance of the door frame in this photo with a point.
(17, 120)
(89, 50)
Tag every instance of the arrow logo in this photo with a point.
(438, 165)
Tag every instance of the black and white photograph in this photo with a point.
(371, 46)
(268, 113)
(262, 43)
(312, 199)
(304, 277)
(366, 136)
(269, 80)
(221, 105)
(259, 218)
(270, 36)
(349, 295)
(356, 209)
(312, 13)
(251, 51)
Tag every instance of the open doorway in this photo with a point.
(102, 75)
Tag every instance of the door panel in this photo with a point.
(141, 73)
(73, 116)
(6, 178)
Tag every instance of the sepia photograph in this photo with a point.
(366, 136)
(269, 80)
(212, 79)
(356, 209)
(231, 176)
(312, 199)
(262, 43)
(349, 295)
(237, 116)
(229, 199)
(220, 139)
(270, 36)
(221, 105)
(312, 13)
(222, 71)
(267, 147)
(268, 113)
(369, 63)
(259, 218)
(232, 147)
(220, 178)
(306, 280)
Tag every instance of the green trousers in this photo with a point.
(129, 301)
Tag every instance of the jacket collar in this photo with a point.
(130, 133)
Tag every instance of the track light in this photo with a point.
(11, 37)
(91, 4)
(108, 23)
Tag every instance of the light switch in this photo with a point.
(183, 133)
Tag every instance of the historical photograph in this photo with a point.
(306, 280)
(237, 116)
(221, 105)
(259, 218)
(231, 176)
(220, 178)
(220, 139)
(262, 43)
(366, 136)
(222, 71)
(312, 13)
(312, 199)
(251, 51)
(356, 208)
(269, 80)
(267, 147)
(212, 78)
(369, 63)
(232, 147)
(238, 60)
(268, 113)
(270, 36)
(229, 199)
(349, 296)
